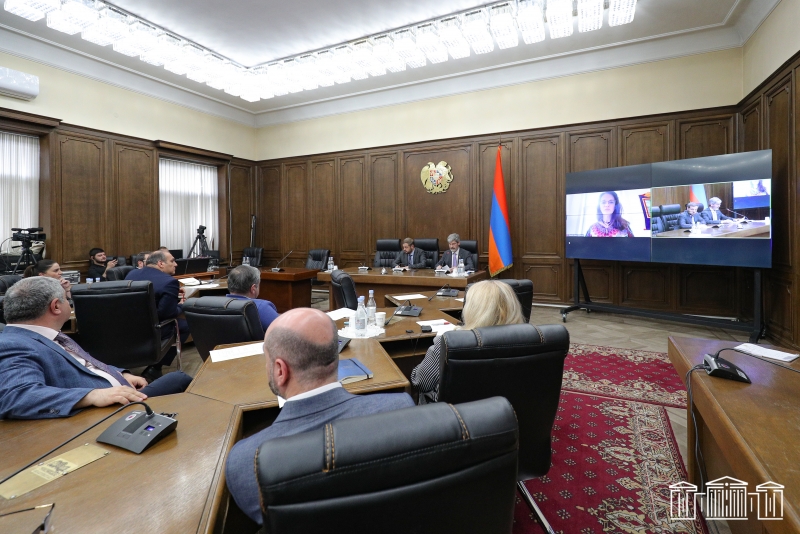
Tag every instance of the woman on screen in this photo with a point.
(609, 221)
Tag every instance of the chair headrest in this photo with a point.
(655, 211)
(387, 245)
(216, 305)
(339, 276)
(427, 244)
(516, 340)
(670, 209)
(108, 288)
(469, 245)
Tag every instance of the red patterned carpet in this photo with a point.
(613, 461)
(636, 375)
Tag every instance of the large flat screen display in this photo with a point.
(708, 211)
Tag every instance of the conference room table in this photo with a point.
(750, 229)
(402, 282)
(290, 288)
(750, 432)
(431, 301)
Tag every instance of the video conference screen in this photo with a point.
(706, 211)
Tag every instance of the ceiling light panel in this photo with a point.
(111, 26)
(385, 54)
(476, 31)
(450, 34)
(74, 16)
(621, 12)
(504, 29)
(428, 41)
(405, 45)
(559, 18)
(590, 15)
(31, 9)
(530, 20)
(141, 38)
(168, 47)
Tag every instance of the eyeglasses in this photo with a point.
(44, 526)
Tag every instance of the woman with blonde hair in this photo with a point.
(490, 303)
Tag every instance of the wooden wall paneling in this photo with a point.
(645, 285)
(778, 117)
(645, 143)
(82, 195)
(242, 207)
(708, 290)
(49, 185)
(322, 205)
(705, 136)
(486, 154)
(268, 207)
(354, 209)
(223, 214)
(600, 279)
(293, 213)
(547, 277)
(443, 213)
(385, 190)
(780, 306)
(590, 150)
(137, 214)
(750, 127)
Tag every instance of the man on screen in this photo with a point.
(690, 215)
(609, 219)
(712, 215)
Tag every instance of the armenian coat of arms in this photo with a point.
(436, 178)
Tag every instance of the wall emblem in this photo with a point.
(436, 178)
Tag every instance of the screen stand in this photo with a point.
(755, 328)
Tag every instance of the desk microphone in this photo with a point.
(386, 322)
(277, 269)
(719, 367)
(745, 221)
(445, 291)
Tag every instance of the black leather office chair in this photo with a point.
(119, 324)
(8, 280)
(176, 253)
(431, 248)
(670, 213)
(254, 253)
(317, 260)
(118, 273)
(471, 247)
(385, 252)
(656, 222)
(523, 363)
(221, 320)
(344, 290)
(435, 468)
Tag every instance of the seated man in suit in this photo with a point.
(244, 282)
(449, 260)
(302, 353)
(45, 374)
(410, 257)
(141, 259)
(686, 218)
(98, 264)
(159, 268)
(712, 215)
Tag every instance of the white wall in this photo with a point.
(775, 41)
(700, 81)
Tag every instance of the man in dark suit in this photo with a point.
(410, 257)
(301, 347)
(449, 260)
(690, 215)
(159, 268)
(244, 282)
(45, 374)
(712, 215)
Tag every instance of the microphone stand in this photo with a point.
(277, 269)
(744, 217)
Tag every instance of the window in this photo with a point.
(188, 200)
(19, 183)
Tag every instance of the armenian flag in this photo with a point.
(500, 256)
(698, 194)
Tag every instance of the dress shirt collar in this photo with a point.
(44, 331)
(308, 394)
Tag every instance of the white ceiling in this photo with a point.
(253, 32)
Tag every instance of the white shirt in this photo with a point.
(51, 334)
(714, 216)
(307, 394)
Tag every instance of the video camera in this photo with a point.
(200, 230)
(28, 235)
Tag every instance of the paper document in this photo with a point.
(341, 313)
(460, 300)
(241, 351)
(210, 285)
(438, 326)
(433, 322)
(761, 352)
(409, 297)
(189, 281)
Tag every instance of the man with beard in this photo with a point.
(302, 350)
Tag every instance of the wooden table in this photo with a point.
(290, 288)
(176, 486)
(445, 304)
(200, 276)
(203, 290)
(403, 282)
(751, 229)
(750, 432)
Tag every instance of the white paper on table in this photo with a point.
(189, 281)
(409, 297)
(442, 328)
(241, 351)
(210, 285)
(433, 322)
(460, 300)
(341, 313)
(763, 352)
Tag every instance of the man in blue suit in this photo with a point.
(45, 374)
(690, 215)
(158, 269)
(302, 362)
(244, 282)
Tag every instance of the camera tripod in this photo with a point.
(200, 240)
(26, 258)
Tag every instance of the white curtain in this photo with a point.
(188, 199)
(19, 183)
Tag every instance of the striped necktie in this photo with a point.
(70, 346)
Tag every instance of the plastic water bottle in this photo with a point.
(361, 319)
(330, 263)
(460, 267)
(371, 307)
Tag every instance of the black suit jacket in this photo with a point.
(419, 259)
(447, 259)
(165, 288)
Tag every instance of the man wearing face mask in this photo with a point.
(302, 350)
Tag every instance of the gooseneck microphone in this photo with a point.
(277, 269)
(745, 221)
(440, 293)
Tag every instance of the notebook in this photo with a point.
(353, 370)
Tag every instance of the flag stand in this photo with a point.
(756, 328)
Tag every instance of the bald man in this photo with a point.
(302, 350)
